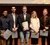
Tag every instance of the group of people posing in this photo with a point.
(23, 25)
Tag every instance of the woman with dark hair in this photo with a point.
(45, 23)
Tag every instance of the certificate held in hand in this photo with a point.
(34, 35)
(14, 34)
(7, 34)
(42, 33)
(25, 26)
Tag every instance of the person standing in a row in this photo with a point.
(5, 24)
(35, 26)
(14, 26)
(24, 22)
(45, 23)
(21, 24)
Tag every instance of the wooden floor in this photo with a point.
(39, 42)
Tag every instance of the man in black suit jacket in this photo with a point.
(24, 17)
(45, 24)
(14, 25)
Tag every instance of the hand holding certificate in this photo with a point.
(46, 28)
(14, 29)
(2, 32)
(36, 29)
(7, 34)
(43, 33)
(14, 33)
(25, 26)
(34, 34)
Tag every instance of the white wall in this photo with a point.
(24, 1)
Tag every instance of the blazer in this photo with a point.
(12, 21)
(42, 22)
(5, 23)
(21, 19)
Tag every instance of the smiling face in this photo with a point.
(5, 13)
(24, 9)
(45, 12)
(13, 9)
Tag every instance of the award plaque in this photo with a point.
(7, 34)
(25, 25)
(42, 33)
(14, 34)
(34, 35)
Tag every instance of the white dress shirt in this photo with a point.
(14, 19)
(24, 16)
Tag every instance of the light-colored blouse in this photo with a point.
(35, 24)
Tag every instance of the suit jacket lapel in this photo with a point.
(12, 18)
(26, 16)
(22, 17)
(15, 18)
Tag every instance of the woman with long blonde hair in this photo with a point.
(34, 25)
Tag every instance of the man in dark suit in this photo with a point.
(5, 24)
(24, 33)
(45, 24)
(14, 25)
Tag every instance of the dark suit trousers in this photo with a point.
(48, 38)
(44, 39)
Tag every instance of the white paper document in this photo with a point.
(14, 34)
(33, 35)
(42, 33)
(7, 34)
(25, 25)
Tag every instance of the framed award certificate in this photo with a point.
(42, 33)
